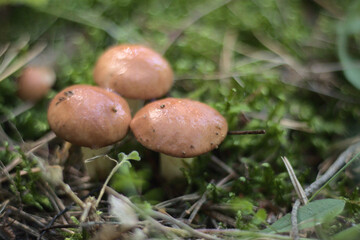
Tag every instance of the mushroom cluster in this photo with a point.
(96, 117)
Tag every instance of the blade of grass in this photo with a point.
(335, 175)
(298, 188)
(22, 60)
(4, 48)
(13, 52)
(93, 19)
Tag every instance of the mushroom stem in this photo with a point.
(135, 105)
(246, 132)
(99, 168)
(170, 167)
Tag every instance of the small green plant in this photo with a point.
(24, 183)
(123, 161)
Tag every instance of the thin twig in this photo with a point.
(52, 200)
(221, 164)
(59, 203)
(167, 203)
(246, 132)
(12, 165)
(341, 160)
(84, 215)
(48, 226)
(21, 173)
(72, 195)
(226, 179)
(197, 207)
(194, 209)
(294, 221)
(24, 227)
(221, 218)
(27, 216)
(40, 142)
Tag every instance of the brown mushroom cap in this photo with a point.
(134, 71)
(35, 82)
(89, 116)
(179, 127)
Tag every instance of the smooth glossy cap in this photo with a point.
(89, 116)
(35, 82)
(134, 71)
(179, 127)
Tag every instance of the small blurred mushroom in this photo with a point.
(35, 82)
(135, 72)
(91, 117)
(179, 128)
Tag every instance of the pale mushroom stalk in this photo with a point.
(135, 105)
(172, 167)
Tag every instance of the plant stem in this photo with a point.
(113, 171)
(73, 196)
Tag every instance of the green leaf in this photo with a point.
(352, 233)
(134, 155)
(243, 205)
(259, 217)
(312, 214)
(122, 156)
(350, 26)
(29, 198)
(75, 220)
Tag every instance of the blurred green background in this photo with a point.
(289, 67)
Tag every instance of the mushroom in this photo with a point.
(179, 128)
(135, 72)
(35, 82)
(91, 117)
